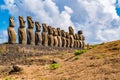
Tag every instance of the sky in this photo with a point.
(98, 19)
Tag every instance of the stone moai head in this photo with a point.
(38, 27)
(59, 31)
(67, 35)
(22, 22)
(75, 36)
(55, 33)
(45, 29)
(80, 32)
(11, 22)
(30, 22)
(71, 30)
(50, 30)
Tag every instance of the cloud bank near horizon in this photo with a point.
(97, 18)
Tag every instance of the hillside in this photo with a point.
(99, 63)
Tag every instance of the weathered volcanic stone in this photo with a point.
(55, 36)
(67, 39)
(21, 31)
(59, 37)
(11, 32)
(50, 36)
(38, 37)
(44, 35)
(30, 32)
(63, 38)
(71, 33)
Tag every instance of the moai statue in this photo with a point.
(55, 36)
(59, 37)
(38, 38)
(50, 36)
(44, 35)
(63, 38)
(21, 31)
(11, 32)
(71, 33)
(81, 39)
(67, 39)
(30, 32)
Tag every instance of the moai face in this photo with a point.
(22, 22)
(59, 31)
(77, 36)
(50, 30)
(71, 31)
(63, 33)
(38, 27)
(45, 29)
(30, 22)
(80, 32)
(11, 21)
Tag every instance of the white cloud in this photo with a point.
(97, 18)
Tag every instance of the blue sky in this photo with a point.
(99, 19)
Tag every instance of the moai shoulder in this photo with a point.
(30, 32)
(11, 32)
(21, 31)
(38, 38)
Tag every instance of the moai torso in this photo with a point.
(44, 35)
(38, 38)
(21, 31)
(75, 41)
(11, 32)
(59, 37)
(71, 33)
(55, 36)
(30, 32)
(67, 39)
(50, 36)
(63, 38)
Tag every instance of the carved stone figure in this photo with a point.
(44, 35)
(81, 39)
(55, 36)
(59, 37)
(71, 33)
(50, 36)
(11, 32)
(21, 31)
(30, 32)
(63, 38)
(67, 39)
(38, 38)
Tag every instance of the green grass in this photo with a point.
(53, 66)
(77, 57)
(9, 78)
(79, 52)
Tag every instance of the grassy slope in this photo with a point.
(99, 63)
